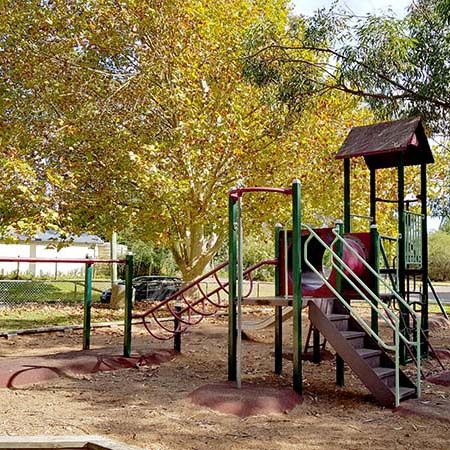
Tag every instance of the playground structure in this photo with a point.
(355, 272)
(326, 269)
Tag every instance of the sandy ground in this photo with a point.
(148, 406)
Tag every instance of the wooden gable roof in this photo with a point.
(382, 144)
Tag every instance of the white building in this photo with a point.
(50, 245)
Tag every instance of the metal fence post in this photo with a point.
(232, 274)
(375, 242)
(340, 377)
(297, 286)
(176, 326)
(87, 306)
(128, 304)
(278, 309)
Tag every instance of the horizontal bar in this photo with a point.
(236, 193)
(388, 238)
(385, 200)
(63, 260)
(361, 216)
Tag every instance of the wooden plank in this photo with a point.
(63, 442)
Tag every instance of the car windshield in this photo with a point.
(156, 281)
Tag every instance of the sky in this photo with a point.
(358, 7)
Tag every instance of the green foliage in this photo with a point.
(439, 256)
(445, 226)
(151, 260)
(257, 249)
(148, 120)
(398, 66)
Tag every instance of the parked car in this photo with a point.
(149, 288)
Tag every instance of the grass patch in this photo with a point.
(17, 292)
(38, 316)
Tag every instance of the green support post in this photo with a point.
(424, 312)
(232, 274)
(401, 263)
(278, 309)
(373, 196)
(128, 305)
(375, 243)
(340, 378)
(87, 306)
(347, 212)
(297, 288)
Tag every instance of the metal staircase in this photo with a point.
(356, 341)
(363, 355)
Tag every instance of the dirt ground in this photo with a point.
(148, 406)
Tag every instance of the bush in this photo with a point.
(150, 259)
(439, 256)
(258, 249)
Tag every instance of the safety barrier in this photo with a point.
(88, 279)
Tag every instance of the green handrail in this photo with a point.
(402, 301)
(388, 316)
(417, 342)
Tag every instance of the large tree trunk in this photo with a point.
(195, 251)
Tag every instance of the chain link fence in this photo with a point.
(14, 293)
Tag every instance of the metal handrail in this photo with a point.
(388, 316)
(408, 307)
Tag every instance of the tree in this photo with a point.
(439, 255)
(399, 67)
(137, 113)
(144, 119)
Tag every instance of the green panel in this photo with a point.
(413, 239)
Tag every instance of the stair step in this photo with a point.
(334, 317)
(368, 352)
(340, 321)
(371, 356)
(384, 372)
(365, 357)
(386, 375)
(405, 392)
(350, 334)
(355, 338)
